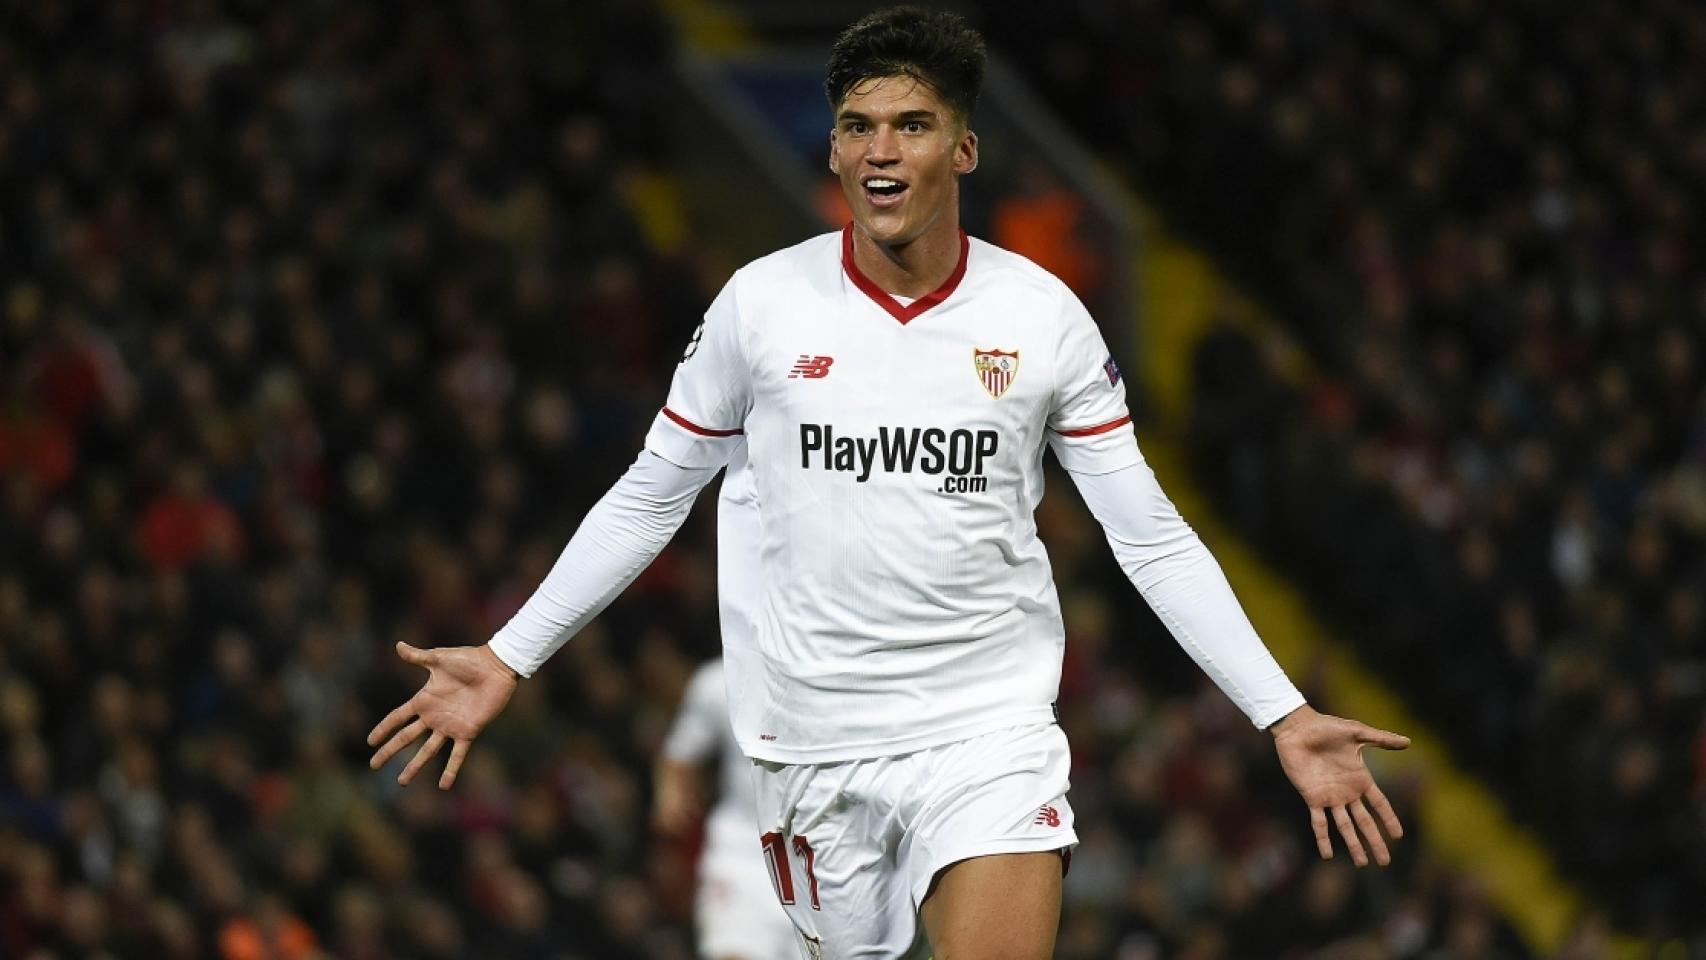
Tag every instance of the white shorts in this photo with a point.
(854, 847)
(735, 912)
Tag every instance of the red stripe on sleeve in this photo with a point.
(1091, 431)
(705, 431)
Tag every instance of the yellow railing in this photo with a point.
(1463, 824)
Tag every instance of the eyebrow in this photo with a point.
(903, 117)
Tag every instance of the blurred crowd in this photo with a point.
(1479, 434)
(320, 326)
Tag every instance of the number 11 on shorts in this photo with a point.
(782, 874)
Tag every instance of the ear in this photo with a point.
(965, 153)
(834, 153)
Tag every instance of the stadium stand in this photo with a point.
(1478, 221)
(322, 326)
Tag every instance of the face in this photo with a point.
(899, 150)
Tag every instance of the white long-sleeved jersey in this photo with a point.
(895, 451)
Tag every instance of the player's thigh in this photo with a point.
(1000, 907)
(855, 904)
(985, 850)
(829, 841)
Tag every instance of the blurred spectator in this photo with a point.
(1481, 221)
(1046, 222)
(266, 932)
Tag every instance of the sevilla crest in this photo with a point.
(996, 368)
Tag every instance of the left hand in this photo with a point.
(1322, 755)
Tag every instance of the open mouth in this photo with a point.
(883, 191)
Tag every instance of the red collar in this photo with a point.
(902, 313)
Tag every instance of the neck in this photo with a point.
(916, 267)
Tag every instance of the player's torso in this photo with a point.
(898, 464)
(942, 408)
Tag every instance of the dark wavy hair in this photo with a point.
(935, 47)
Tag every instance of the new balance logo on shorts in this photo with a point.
(809, 367)
(1047, 817)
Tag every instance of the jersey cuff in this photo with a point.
(1268, 714)
(509, 649)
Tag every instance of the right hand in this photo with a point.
(466, 688)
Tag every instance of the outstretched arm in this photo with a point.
(467, 687)
(622, 534)
(1185, 586)
(1182, 582)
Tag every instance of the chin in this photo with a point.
(887, 230)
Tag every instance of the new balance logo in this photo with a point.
(1047, 817)
(809, 367)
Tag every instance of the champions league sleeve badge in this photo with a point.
(996, 369)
